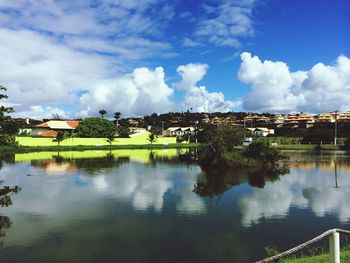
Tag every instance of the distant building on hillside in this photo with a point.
(178, 131)
(50, 128)
(344, 117)
(261, 131)
(327, 117)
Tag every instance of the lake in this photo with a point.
(143, 206)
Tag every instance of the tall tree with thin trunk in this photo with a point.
(117, 116)
(60, 137)
(102, 112)
(110, 137)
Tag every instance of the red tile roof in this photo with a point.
(44, 125)
(49, 133)
(73, 124)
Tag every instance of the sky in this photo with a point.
(73, 58)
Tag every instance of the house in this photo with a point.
(344, 117)
(328, 117)
(50, 128)
(137, 130)
(261, 131)
(178, 131)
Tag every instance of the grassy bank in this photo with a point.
(344, 257)
(139, 139)
(24, 149)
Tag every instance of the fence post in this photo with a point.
(334, 250)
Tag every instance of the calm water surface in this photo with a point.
(142, 206)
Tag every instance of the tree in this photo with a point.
(117, 117)
(152, 137)
(220, 139)
(102, 112)
(156, 130)
(110, 137)
(8, 128)
(60, 137)
(123, 132)
(95, 128)
(264, 153)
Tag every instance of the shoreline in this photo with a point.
(27, 149)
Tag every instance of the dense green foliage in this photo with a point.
(123, 132)
(95, 128)
(316, 136)
(8, 127)
(263, 152)
(157, 130)
(220, 139)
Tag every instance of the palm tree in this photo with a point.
(60, 136)
(102, 112)
(117, 116)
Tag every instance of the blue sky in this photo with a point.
(76, 57)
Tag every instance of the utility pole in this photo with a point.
(335, 128)
(244, 127)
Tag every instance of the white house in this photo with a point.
(178, 131)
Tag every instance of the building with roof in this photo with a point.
(344, 117)
(50, 128)
(178, 131)
(261, 131)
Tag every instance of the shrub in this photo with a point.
(221, 138)
(263, 152)
(6, 139)
(95, 128)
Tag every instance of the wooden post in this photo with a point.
(334, 250)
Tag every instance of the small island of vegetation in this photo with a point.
(222, 148)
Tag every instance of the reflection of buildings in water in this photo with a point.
(325, 162)
(305, 165)
(54, 168)
(330, 165)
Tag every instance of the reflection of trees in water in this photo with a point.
(90, 166)
(6, 158)
(5, 201)
(215, 181)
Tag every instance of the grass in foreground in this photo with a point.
(344, 257)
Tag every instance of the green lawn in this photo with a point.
(344, 257)
(141, 139)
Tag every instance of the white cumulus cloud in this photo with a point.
(142, 92)
(275, 88)
(198, 98)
